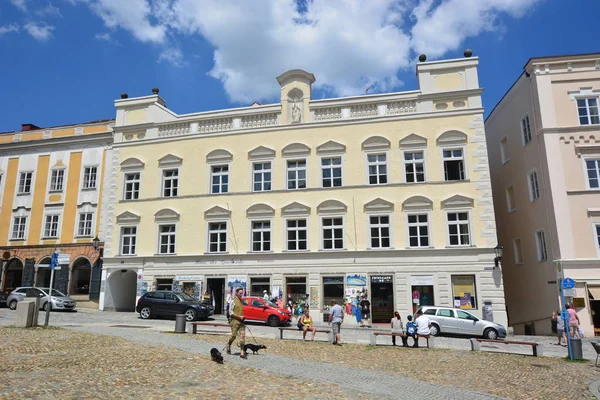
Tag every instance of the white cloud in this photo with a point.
(39, 31)
(350, 45)
(48, 11)
(103, 36)
(20, 4)
(9, 28)
(174, 56)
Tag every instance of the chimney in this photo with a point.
(29, 127)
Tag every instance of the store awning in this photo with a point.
(594, 292)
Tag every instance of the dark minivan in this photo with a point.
(164, 303)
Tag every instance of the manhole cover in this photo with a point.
(129, 326)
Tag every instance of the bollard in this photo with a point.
(180, 323)
(24, 314)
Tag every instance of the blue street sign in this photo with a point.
(568, 283)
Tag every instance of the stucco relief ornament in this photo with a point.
(295, 113)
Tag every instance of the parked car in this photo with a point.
(455, 321)
(256, 309)
(59, 300)
(164, 303)
(3, 297)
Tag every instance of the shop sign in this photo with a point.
(356, 280)
(578, 302)
(188, 278)
(381, 279)
(421, 280)
(314, 297)
(334, 279)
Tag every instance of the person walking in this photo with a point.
(573, 321)
(396, 326)
(237, 322)
(423, 325)
(336, 317)
(365, 306)
(307, 325)
(560, 326)
(266, 296)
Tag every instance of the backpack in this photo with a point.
(300, 324)
(411, 328)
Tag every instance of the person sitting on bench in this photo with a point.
(396, 326)
(423, 325)
(411, 331)
(307, 325)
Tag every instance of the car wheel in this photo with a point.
(45, 306)
(273, 320)
(13, 305)
(434, 330)
(490, 334)
(145, 312)
(190, 315)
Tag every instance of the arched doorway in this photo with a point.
(43, 273)
(122, 289)
(14, 275)
(81, 272)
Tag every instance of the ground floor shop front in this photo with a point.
(585, 297)
(391, 280)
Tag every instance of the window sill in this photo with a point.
(216, 253)
(165, 254)
(469, 246)
(455, 180)
(419, 248)
(89, 189)
(328, 250)
(381, 248)
(17, 239)
(295, 251)
(50, 238)
(127, 255)
(24, 194)
(83, 236)
(257, 252)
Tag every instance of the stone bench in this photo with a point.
(195, 325)
(537, 348)
(318, 330)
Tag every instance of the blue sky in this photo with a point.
(66, 61)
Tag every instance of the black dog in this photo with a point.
(216, 356)
(254, 347)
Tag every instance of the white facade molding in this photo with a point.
(413, 141)
(295, 150)
(452, 138)
(217, 212)
(379, 205)
(166, 215)
(331, 207)
(260, 210)
(457, 201)
(376, 143)
(170, 160)
(295, 209)
(219, 156)
(331, 147)
(132, 164)
(128, 218)
(261, 152)
(417, 203)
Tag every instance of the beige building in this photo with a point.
(543, 138)
(387, 195)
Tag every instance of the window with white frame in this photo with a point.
(597, 229)
(296, 234)
(261, 176)
(587, 109)
(219, 179)
(90, 177)
(540, 239)
(84, 226)
(331, 170)
(454, 165)
(592, 167)
(418, 230)
(534, 187)
(510, 199)
(296, 174)
(414, 166)
(377, 166)
(504, 154)
(19, 225)
(458, 229)
(333, 233)
(261, 236)
(57, 179)
(132, 186)
(51, 226)
(217, 237)
(379, 226)
(518, 250)
(525, 130)
(25, 182)
(128, 240)
(166, 238)
(170, 182)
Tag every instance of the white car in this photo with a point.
(59, 300)
(455, 321)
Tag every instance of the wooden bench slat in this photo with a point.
(507, 342)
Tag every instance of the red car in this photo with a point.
(256, 309)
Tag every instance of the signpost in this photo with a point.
(566, 284)
(53, 264)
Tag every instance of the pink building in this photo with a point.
(543, 140)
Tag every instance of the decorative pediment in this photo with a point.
(260, 210)
(296, 150)
(331, 147)
(217, 212)
(132, 163)
(413, 140)
(21, 211)
(128, 218)
(457, 201)
(166, 214)
(417, 203)
(331, 207)
(376, 143)
(219, 155)
(170, 160)
(261, 152)
(379, 205)
(451, 138)
(295, 208)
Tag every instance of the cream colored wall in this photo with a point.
(565, 107)
(194, 181)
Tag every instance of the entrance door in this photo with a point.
(80, 277)
(14, 274)
(595, 306)
(425, 296)
(216, 289)
(382, 298)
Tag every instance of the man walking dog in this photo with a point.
(237, 322)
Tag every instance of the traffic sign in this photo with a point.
(570, 292)
(568, 283)
(41, 265)
(416, 294)
(64, 258)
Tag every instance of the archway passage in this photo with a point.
(122, 289)
(81, 273)
(43, 274)
(14, 275)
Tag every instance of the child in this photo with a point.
(411, 330)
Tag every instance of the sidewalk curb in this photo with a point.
(595, 388)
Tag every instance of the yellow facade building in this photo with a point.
(387, 195)
(50, 188)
